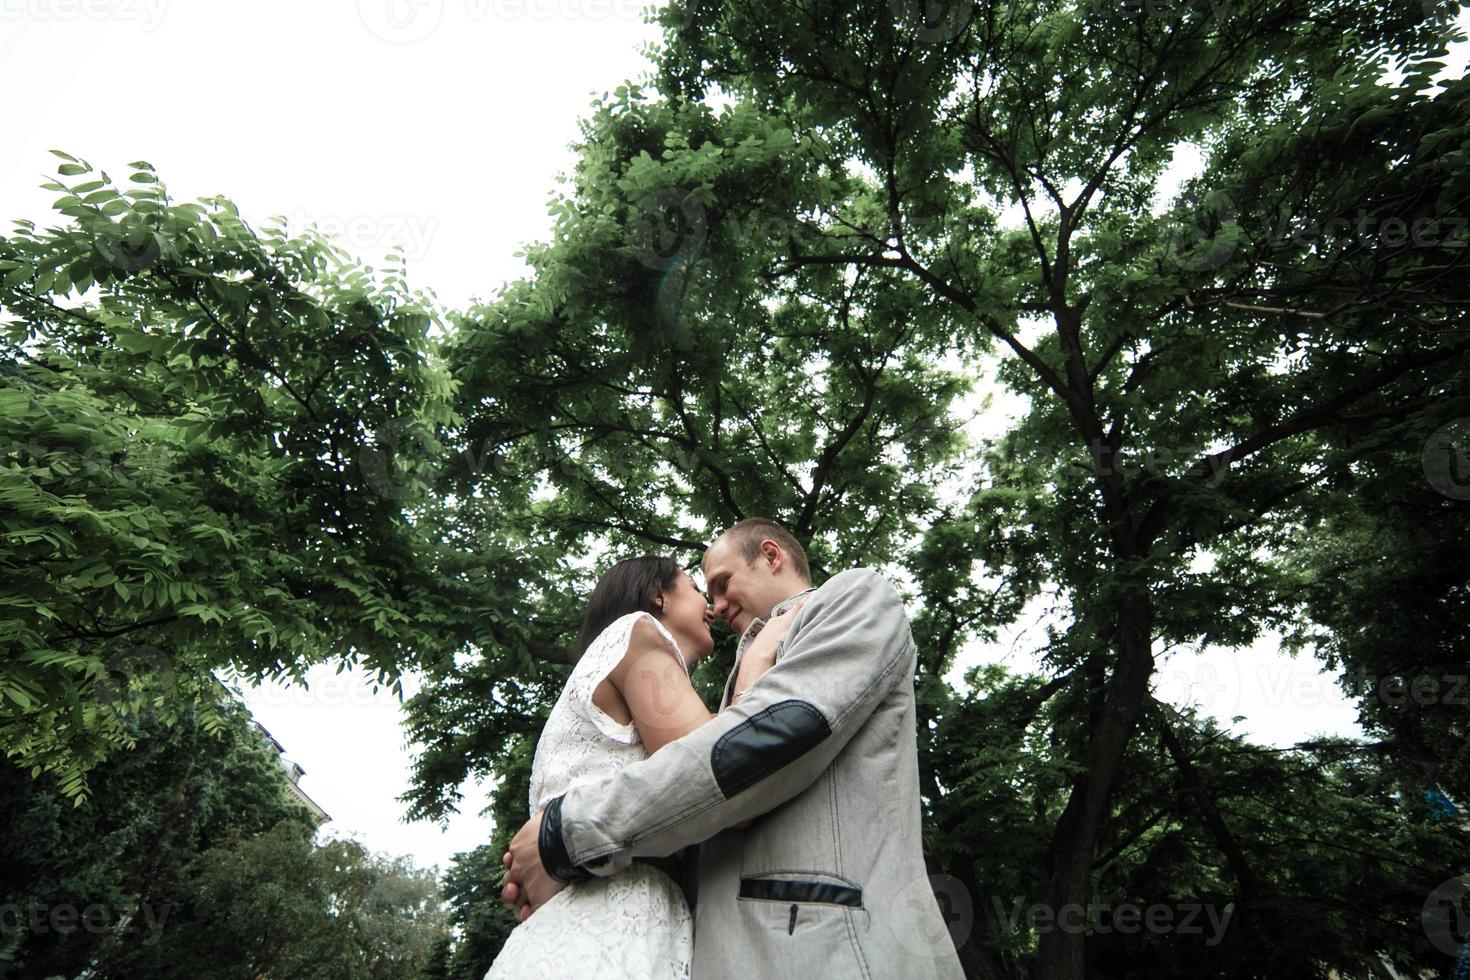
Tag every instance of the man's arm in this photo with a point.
(845, 656)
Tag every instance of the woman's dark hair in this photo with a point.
(627, 587)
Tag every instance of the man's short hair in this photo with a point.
(746, 537)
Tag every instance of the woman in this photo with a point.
(628, 696)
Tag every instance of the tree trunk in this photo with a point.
(1069, 874)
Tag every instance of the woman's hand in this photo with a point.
(773, 633)
(760, 656)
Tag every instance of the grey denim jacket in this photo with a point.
(829, 881)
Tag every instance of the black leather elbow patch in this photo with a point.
(761, 744)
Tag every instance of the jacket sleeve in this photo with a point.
(849, 646)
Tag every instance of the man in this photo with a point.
(829, 880)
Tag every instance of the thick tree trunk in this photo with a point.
(1069, 874)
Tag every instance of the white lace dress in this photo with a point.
(633, 924)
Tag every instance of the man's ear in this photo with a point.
(772, 555)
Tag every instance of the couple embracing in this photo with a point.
(778, 837)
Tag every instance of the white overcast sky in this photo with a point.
(437, 125)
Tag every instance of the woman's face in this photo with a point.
(687, 615)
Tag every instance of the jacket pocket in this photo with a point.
(801, 887)
(822, 912)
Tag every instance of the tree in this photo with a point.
(192, 860)
(481, 924)
(1385, 583)
(1223, 859)
(775, 285)
(278, 905)
(744, 311)
(80, 884)
(210, 460)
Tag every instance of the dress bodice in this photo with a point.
(580, 740)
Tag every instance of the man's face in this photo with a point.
(739, 592)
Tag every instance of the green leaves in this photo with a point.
(180, 462)
(242, 449)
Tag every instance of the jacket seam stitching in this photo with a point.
(888, 668)
(692, 810)
(832, 806)
(856, 948)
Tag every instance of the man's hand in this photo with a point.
(527, 885)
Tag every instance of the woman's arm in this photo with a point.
(664, 705)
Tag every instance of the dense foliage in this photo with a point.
(198, 433)
(192, 860)
(781, 280)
